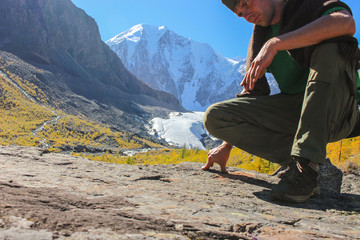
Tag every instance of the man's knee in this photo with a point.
(326, 57)
(327, 65)
(210, 118)
(326, 49)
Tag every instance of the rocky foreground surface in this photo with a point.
(54, 196)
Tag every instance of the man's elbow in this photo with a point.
(347, 23)
(351, 26)
(353, 29)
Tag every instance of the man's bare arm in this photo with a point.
(334, 25)
(330, 26)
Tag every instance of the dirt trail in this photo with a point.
(55, 196)
(54, 120)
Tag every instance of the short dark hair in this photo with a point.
(231, 4)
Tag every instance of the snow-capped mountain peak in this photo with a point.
(194, 72)
(135, 33)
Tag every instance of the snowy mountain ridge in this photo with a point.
(193, 72)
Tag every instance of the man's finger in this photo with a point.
(255, 78)
(209, 164)
(245, 83)
(251, 77)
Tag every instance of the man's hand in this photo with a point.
(260, 64)
(219, 155)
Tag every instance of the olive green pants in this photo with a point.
(280, 126)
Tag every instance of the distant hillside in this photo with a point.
(57, 47)
(28, 120)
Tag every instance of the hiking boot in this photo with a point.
(282, 168)
(280, 171)
(298, 183)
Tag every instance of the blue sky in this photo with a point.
(206, 21)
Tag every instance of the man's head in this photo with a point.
(259, 12)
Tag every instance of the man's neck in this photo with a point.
(278, 6)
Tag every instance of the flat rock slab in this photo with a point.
(55, 196)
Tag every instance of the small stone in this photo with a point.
(179, 227)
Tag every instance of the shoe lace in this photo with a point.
(293, 173)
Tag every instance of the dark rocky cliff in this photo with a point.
(63, 41)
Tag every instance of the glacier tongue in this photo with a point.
(180, 129)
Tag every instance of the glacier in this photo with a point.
(180, 129)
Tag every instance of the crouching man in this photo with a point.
(309, 48)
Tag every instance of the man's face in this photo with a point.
(259, 12)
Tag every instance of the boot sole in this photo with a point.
(293, 198)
